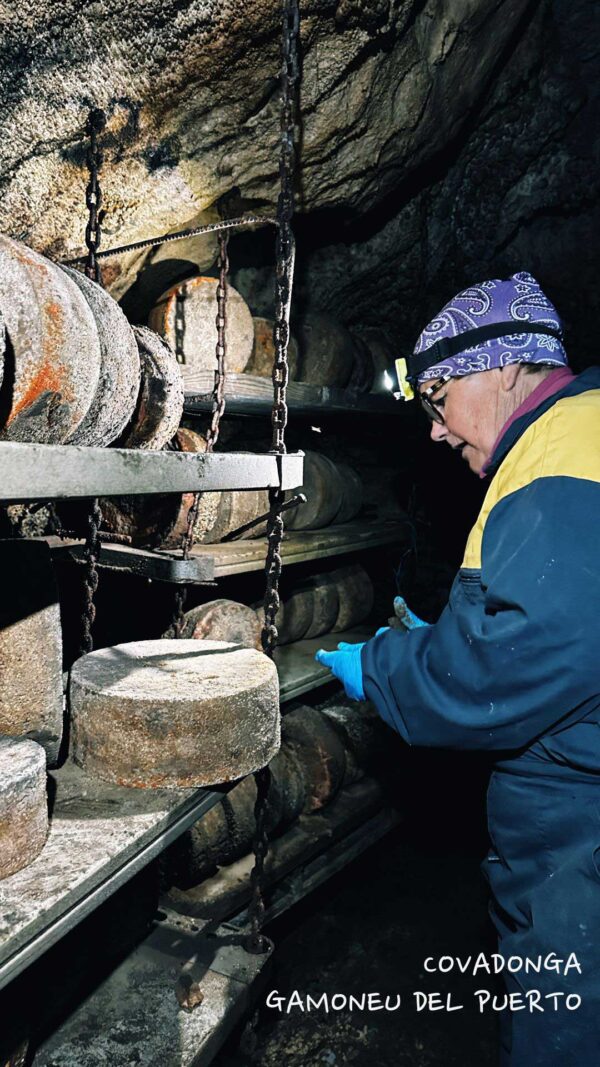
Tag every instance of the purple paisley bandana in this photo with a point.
(519, 298)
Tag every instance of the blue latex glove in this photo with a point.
(407, 617)
(345, 664)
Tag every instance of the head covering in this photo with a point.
(493, 305)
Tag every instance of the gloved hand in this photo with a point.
(409, 620)
(345, 664)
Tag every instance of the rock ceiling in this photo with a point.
(441, 141)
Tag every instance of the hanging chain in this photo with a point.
(91, 555)
(93, 198)
(256, 941)
(219, 387)
(212, 435)
(179, 324)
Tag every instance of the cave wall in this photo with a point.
(518, 190)
(442, 141)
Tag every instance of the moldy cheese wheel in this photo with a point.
(174, 713)
(185, 315)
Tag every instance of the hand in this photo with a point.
(346, 666)
(409, 620)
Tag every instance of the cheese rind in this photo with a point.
(23, 804)
(174, 713)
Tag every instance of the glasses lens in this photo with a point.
(431, 411)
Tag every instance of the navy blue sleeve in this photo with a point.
(516, 651)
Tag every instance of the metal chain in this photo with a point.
(212, 435)
(93, 198)
(179, 324)
(256, 941)
(91, 554)
(221, 323)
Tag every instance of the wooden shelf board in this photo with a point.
(247, 394)
(236, 557)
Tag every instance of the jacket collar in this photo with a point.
(589, 379)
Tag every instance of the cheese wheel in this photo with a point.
(31, 692)
(263, 351)
(325, 603)
(186, 316)
(119, 384)
(160, 403)
(174, 713)
(236, 508)
(363, 734)
(352, 493)
(355, 592)
(223, 620)
(311, 737)
(294, 616)
(323, 488)
(325, 351)
(23, 804)
(226, 832)
(55, 346)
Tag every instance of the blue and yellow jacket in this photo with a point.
(513, 663)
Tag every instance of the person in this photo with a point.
(512, 666)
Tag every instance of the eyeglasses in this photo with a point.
(433, 408)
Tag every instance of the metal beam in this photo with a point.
(159, 566)
(49, 472)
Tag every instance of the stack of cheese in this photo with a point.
(327, 603)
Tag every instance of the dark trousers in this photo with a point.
(544, 874)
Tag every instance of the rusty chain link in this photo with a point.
(93, 197)
(221, 322)
(256, 941)
(212, 435)
(91, 556)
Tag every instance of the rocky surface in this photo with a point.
(516, 188)
(441, 141)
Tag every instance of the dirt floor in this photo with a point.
(417, 893)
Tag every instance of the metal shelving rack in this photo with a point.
(101, 835)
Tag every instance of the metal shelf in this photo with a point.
(47, 472)
(142, 988)
(100, 836)
(296, 666)
(157, 565)
(211, 953)
(246, 394)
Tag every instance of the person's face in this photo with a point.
(474, 413)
